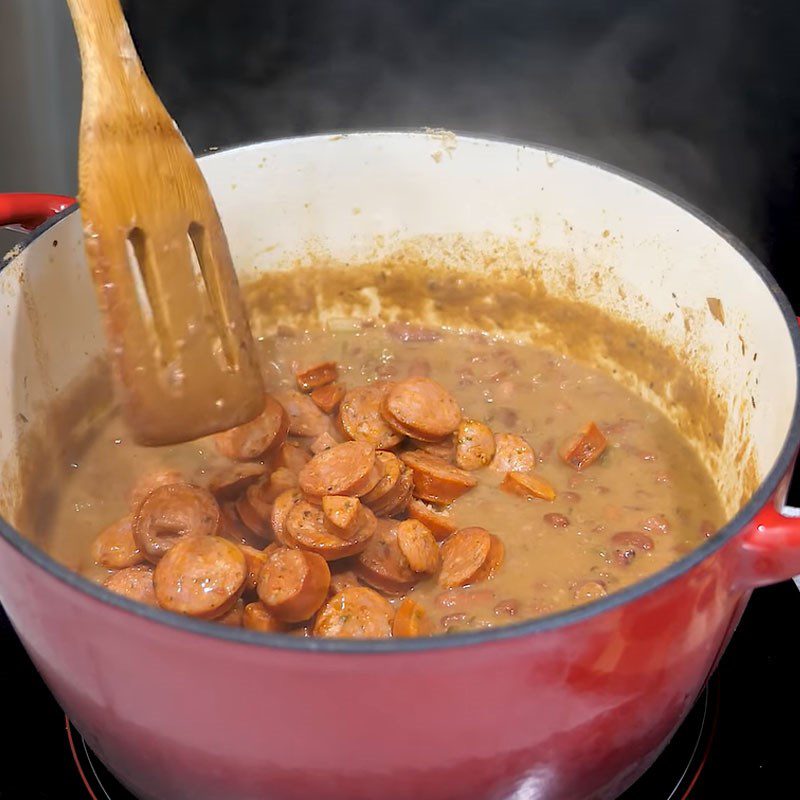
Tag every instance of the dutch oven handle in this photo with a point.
(24, 211)
(770, 547)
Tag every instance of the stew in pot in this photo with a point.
(401, 481)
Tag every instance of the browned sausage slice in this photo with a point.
(512, 454)
(305, 528)
(171, 512)
(115, 546)
(305, 418)
(323, 442)
(293, 584)
(463, 554)
(152, 480)
(411, 620)
(494, 560)
(355, 613)
(229, 483)
(444, 448)
(135, 583)
(234, 617)
(266, 491)
(360, 416)
(341, 514)
(396, 501)
(257, 618)
(585, 448)
(256, 438)
(527, 484)
(342, 580)
(293, 456)
(440, 523)
(327, 398)
(383, 565)
(201, 576)
(436, 480)
(421, 408)
(283, 504)
(254, 511)
(319, 375)
(347, 468)
(475, 445)
(255, 560)
(390, 469)
(418, 545)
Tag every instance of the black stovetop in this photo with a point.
(740, 740)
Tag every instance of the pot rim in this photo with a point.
(745, 515)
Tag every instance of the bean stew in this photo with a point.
(401, 481)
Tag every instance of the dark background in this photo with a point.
(703, 98)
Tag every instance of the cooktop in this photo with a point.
(739, 739)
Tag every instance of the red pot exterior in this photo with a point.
(579, 711)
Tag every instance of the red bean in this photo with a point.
(556, 520)
(658, 523)
(506, 608)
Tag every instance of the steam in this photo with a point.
(649, 87)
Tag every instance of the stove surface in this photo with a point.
(735, 742)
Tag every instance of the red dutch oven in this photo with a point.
(573, 705)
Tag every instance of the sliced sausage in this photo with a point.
(293, 456)
(305, 528)
(342, 580)
(256, 617)
(255, 560)
(397, 500)
(280, 480)
(355, 613)
(527, 484)
(115, 546)
(444, 448)
(327, 398)
(150, 481)
(342, 514)
(439, 523)
(135, 583)
(234, 617)
(171, 512)
(411, 620)
(280, 511)
(463, 555)
(421, 408)
(361, 419)
(419, 546)
(323, 442)
(383, 565)
(293, 584)
(305, 418)
(229, 483)
(256, 438)
(254, 511)
(231, 526)
(494, 560)
(436, 480)
(512, 454)
(584, 448)
(200, 576)
(346, 469)
(475, 445)
(390, 469)
(319, 375)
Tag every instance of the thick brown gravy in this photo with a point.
(558, 554)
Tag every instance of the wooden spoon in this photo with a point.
(180, 343)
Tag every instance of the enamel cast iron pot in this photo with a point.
(574, 705)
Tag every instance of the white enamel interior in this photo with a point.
(356, 195)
